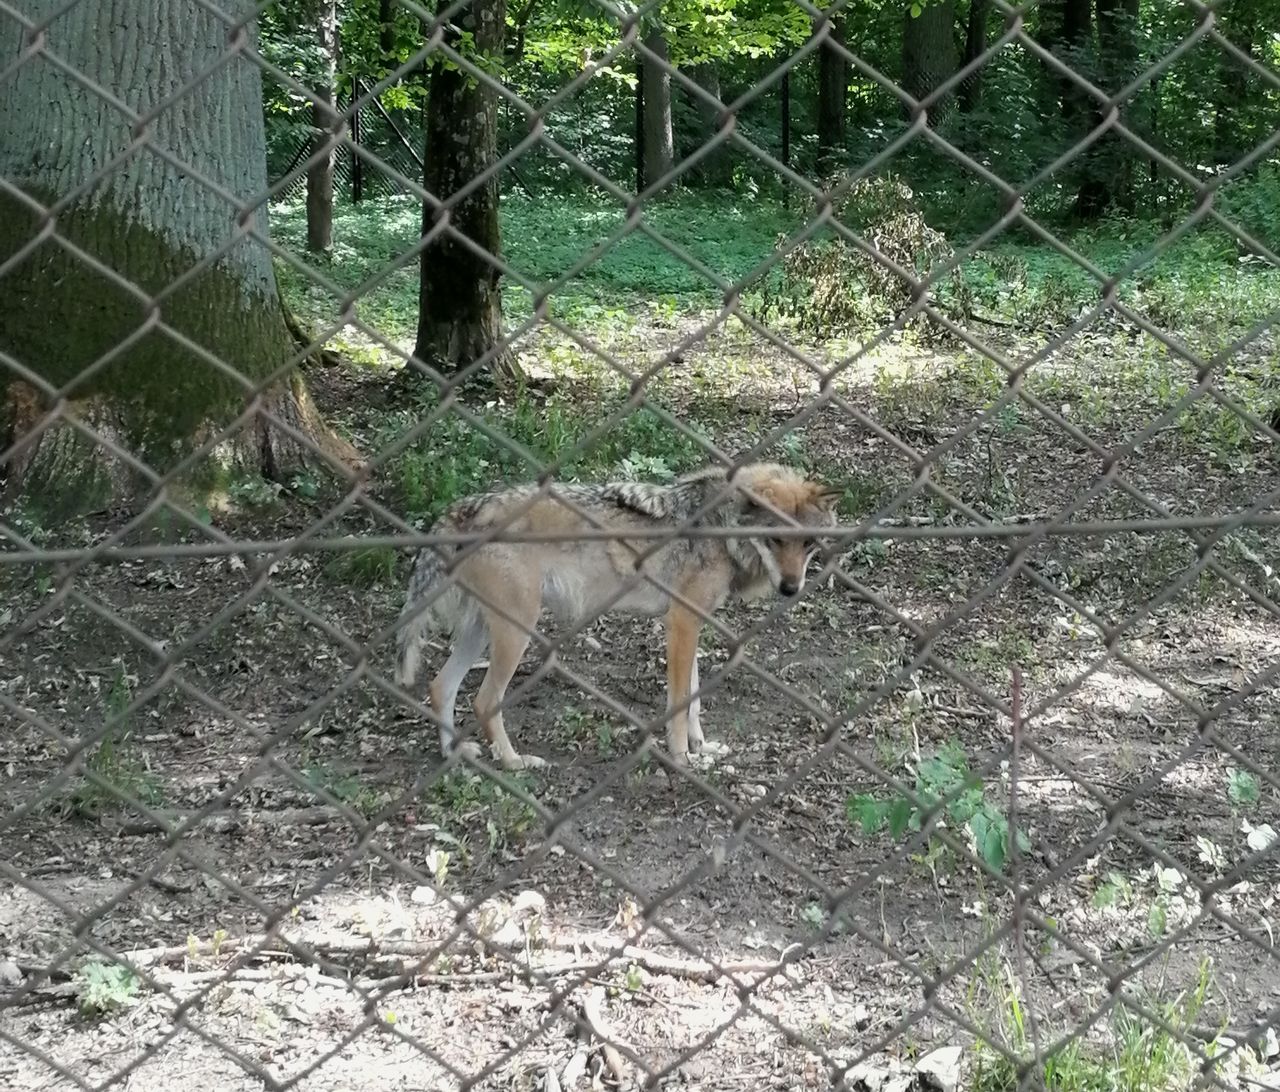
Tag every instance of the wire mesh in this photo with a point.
(844, 899)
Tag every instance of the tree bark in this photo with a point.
(87, 332)
(929, 53)
(460, 301)
(323, 121)
(833, 92)
(975, 41)
(659, 143)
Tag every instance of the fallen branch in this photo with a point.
(601, 1029)
(591, 955)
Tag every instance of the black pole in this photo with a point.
(357, 164)
(639, 124)
(786, 118)
(786, 131)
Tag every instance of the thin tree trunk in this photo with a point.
(833, 91)
(460, 302)
(713, 168)
(85, 332)
(975, 41)
(929, 53)
(659, 143)
(323, 120)
(386, 29)
(1232, 93)
(639, 125)
(1109, 163)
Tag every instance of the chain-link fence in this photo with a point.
(987, 795)
(384, 133)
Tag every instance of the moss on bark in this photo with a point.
(63, 317)
(93, 337)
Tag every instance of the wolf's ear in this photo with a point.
(827, 497)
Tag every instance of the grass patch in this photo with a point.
(367, 568)
(474, 811)
(1134, 1054)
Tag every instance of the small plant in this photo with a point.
(1242, 789)
(102, 988)
(348, 788)
(1138, 1056)
(461, 799)
(114, 772)
(579, 725)
(943, 782)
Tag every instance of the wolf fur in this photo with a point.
(494, 595)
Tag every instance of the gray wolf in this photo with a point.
(495, 594)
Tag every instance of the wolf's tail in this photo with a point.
(435, 604)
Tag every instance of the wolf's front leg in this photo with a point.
(682, 654)
(696, 739)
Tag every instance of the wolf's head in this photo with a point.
(775, 496)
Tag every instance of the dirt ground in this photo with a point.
(334, 914)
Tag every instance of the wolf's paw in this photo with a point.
(525, 762)
(468, 748)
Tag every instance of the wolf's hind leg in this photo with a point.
(469, 642)
(508, 638)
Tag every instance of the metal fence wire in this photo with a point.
(318, 899)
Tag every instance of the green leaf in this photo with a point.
(1242, 788)
(867, 812)
(1157, 920)
(990, 834)
(916, 11)
(900, 813)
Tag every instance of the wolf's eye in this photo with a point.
(777, 543)
(810, 544)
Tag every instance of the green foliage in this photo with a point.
(103, 988)
(476, 810)
(942, 782)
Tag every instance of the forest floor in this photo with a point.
(337, 912)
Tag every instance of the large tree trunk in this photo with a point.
(460, 302)
(659, 144)
(323, 121)
(929, 53)
(86, 334)
(975, 41)
(833, 91)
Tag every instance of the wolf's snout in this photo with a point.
(788, 586)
